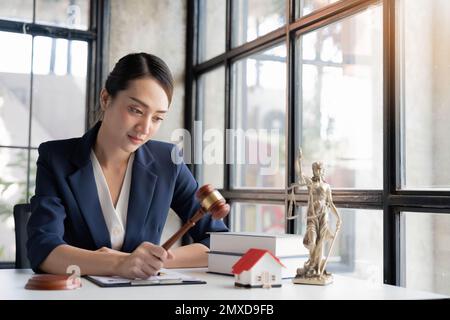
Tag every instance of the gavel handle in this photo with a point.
(189, 224)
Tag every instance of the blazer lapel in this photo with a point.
(143, 182)
(83, 186)
(82, 183)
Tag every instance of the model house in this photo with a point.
(258, 269)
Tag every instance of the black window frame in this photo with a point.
(392, 200)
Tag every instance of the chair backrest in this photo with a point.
(22, 213)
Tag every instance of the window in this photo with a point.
(305, 7)
(423, 100)
(426, 252)
(339, 90)
(15, 88)
(11, 11)
(257, 144)
(423, 93)
(72, 14)
(212, 25)
(358, 250)
(257, 217)
(255, 18)
(211, 104)
(59, 88)
(45, 64)
(346, 81)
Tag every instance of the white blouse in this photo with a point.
(115, 218)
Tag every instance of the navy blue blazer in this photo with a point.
(66, 209)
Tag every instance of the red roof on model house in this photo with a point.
(250, 258)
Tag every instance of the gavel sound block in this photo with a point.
(211, 201)
(53, 282)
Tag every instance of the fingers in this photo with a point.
(154, 263)
(145, 261)
(157, 251)
(138, 273)
(149, 270)
(152, 257)
(139, 268)
(170, 255)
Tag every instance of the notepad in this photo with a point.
(166, 277)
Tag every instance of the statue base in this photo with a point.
(320, 281)
(312, 279)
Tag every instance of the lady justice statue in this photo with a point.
(318, 232)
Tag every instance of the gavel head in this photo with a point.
(212, 201)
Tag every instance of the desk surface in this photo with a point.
(218, 287)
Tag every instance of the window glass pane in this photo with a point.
(426, 258)
(304, 7)
(423, 91)
(258, 106)
(211, 103)
(257, 217)
(340, 97)
(358, 249)
(17, 10)
(255, 18)
(59, 89)
(72, 14)
(211, 28)
(15, 68)
(13, 190)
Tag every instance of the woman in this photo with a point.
(102, 200)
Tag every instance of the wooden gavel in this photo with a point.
(210, 201)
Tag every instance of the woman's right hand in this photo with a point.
(145, 261)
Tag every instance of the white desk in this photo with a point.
(12, 283)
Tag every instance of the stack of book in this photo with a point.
(226, 248)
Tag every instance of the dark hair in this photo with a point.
(139, 65)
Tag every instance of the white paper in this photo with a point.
(166, 276)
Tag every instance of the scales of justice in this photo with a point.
(318, 231)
